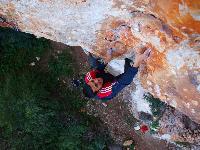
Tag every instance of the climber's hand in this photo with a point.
(141, 57)
(147, 54)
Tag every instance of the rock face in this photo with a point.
(170, 28)
(179, 127)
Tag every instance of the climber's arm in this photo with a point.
(127, 77)
(122, 81)
(95, 63)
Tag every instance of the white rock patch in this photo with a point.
(138, 98)
(116, 66)
(183, 56)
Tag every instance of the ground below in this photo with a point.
(116, 116)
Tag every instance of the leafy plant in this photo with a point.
(157, 109)
(157, 106)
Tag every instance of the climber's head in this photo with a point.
(93, 84)
(96, 84)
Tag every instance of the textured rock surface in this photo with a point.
(170, 28)
(179, 127)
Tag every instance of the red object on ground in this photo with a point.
(144, 128)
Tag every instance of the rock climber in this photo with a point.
(102, 85)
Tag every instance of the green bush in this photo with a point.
(156, 105)
(61, 65)
(36, 111)
(18, 50)
(157, 109)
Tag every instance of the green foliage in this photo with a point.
(97, 144)
(60, 65)
(157, 109)
(19, 50)
(36, 111)
(154, 126)
(132, 147)
(157, 106)
(182, 144)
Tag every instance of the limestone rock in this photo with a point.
(170, 28)
(179, 127)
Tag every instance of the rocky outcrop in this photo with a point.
(170, 28)
(179, 127)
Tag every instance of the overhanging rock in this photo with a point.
(170, 28)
